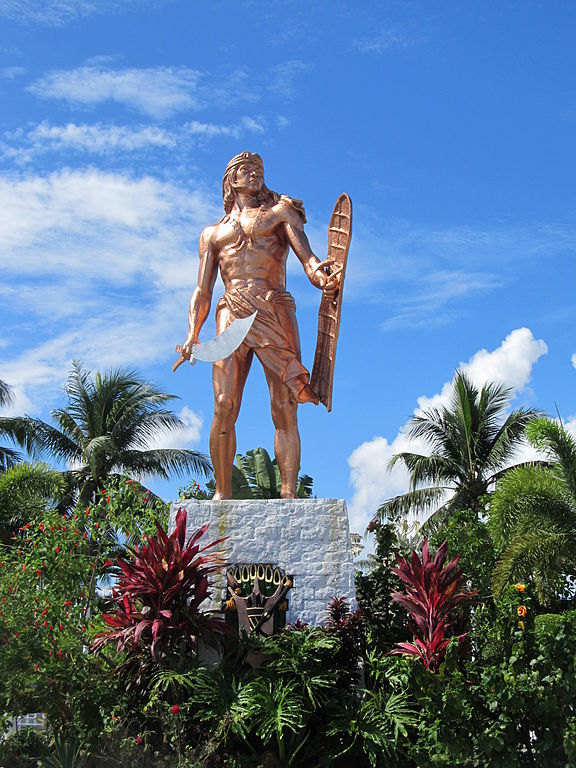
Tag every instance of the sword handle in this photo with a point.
(181, 359)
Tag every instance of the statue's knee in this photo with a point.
(223, 406)
(284, 414)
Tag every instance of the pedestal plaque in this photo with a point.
(308, 538)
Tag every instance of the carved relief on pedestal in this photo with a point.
(258, 597)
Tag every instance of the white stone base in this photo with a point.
(308, 538)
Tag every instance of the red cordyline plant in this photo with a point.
(159, 594)
(431, 596)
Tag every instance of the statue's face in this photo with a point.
(248, 179)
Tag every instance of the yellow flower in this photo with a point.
(521, 625)
(522, 611)
(519, 587)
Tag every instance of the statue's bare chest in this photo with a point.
(246, 226)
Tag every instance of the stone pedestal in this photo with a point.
(308, 538)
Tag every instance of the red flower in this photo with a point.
(88, 511)
(38, 573)
(138, 739)
(37, 667)
(175, 709)
(68, 602)
(57, 549)
(107, 499)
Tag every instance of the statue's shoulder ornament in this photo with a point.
(292, 209)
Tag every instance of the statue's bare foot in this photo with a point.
(287, 495)
(307, 395)
(220, 496)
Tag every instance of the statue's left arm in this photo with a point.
(293, 223)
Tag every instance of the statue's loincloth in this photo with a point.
(273, 337)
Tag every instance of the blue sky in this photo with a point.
(451, 125)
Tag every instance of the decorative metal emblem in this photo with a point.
(257, 601)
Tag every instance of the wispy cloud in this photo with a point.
(421, 275)
(11, 73)
(284, 77)
(61, 12)
(574, 359)
(388, 39)
(101, 139)
(428, 302)
(159, 92)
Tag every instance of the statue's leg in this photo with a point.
(287, 439)
(228, 379)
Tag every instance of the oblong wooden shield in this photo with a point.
(339, 236)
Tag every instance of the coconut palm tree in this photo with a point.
(26, 492)
(107, 427)
(533, 516)
(472, 442)
(8, 456)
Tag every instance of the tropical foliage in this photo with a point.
(107, 427)
(254, 476)
(472, 441)
(431, 597)
(533, 517)
(420, 676)
(8, 456)
(159, 592)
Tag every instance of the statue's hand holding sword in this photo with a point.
(218, 348)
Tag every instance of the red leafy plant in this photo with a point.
(158, 597)
(432, 595)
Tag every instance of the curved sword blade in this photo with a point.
(225, 343)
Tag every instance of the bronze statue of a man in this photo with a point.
(249, 246)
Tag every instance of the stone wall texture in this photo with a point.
(309, 538)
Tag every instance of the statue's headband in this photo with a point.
(245, 157)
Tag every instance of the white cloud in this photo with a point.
(574, 359)
(101, 139)
(156, 91)
(99, 262)
(186, 437)
(159, 92)
(95, 224)
(510, 364)
(60, 12)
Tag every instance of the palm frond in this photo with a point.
(6, 396)
(419, 500)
